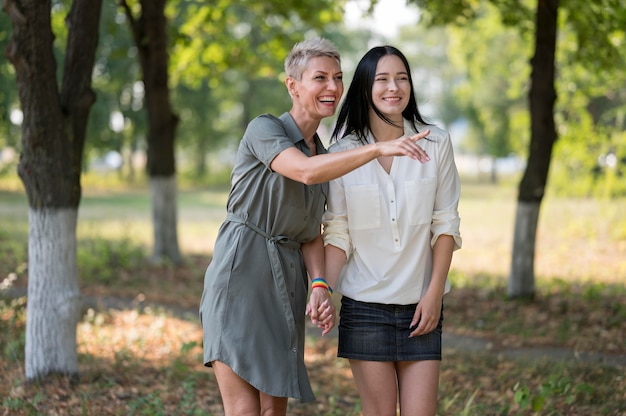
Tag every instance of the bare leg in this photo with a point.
(418, 385)
(241, 399)
(377, 385)
(273, 406)
(238, 396)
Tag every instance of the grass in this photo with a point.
(145, 359)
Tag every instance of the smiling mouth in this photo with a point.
(330, 100)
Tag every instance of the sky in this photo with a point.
(388, 16)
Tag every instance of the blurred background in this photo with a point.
(225, 67)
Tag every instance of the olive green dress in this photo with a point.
(255, 289)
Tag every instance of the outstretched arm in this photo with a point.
(295, 165)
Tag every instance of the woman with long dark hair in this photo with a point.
(390, 228)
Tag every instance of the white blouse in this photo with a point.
(387, 223)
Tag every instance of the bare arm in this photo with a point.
(335, 259)
(428, 310)
(295, 165)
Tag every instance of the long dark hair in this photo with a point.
(353, 116)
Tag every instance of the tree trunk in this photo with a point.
(200, 157)
(494, 170)
(163, 191)
(53, 293)
(149, 33)
(53, 136)
(543, 136)
(526, 218)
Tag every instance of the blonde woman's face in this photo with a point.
(319, 90)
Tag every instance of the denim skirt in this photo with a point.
(380, 332)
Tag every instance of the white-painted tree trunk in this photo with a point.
(164, 218)
(54, 302)
(522, 276)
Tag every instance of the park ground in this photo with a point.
(139, 340)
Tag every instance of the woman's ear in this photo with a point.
(292, 86)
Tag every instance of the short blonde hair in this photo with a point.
(302, 52)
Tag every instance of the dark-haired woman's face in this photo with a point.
(391, 89)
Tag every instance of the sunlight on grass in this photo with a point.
(145, 336)
(577, 239)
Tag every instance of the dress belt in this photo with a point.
(277, 270)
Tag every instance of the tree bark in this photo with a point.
(542, 97)
(54, 303)
(53, 136)
(149, 33)
(526, 218)
(163, 191)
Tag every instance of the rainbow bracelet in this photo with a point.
(321, 282)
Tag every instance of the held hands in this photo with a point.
(405, 146)
(321, 309)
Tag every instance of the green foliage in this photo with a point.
(226, 67)
(250, 37)
(13, 315)
(507, 386)
(468, 409)
(481, 280)
(590, 161)
(590, 156)
(436, 76)
(13, 254)
(27, 407)
(492, 94)
(518, 13)
(555, 387)
(117, 84)
(100, 260)
(9, 133)
(599, 28)
(152, 405)
(12, 336)
(187, 406)
(149, 405)
(179, 367)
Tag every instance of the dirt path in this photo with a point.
(467, 343)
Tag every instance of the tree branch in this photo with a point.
(13, 11)
(134, 26)
(11, 50)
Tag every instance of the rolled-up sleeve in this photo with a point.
(446, 220)
(335, 219)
